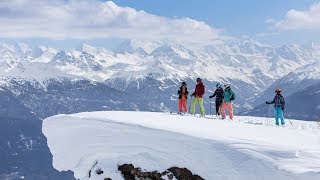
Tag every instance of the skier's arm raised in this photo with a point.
(271, 102)
(214, 94)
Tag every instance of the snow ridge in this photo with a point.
(159, 140)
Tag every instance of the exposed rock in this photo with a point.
(126, 171)
(184, 174)
(129, 172)
(99, 171)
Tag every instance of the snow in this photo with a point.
(246, 148)
(47, 55)
(243, 60)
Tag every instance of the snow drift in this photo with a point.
(246, 148)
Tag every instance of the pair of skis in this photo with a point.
(195, 115)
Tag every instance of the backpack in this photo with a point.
(232, 97)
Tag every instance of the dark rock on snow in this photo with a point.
(129, 172)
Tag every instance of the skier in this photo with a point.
(279, 103)
(183, 96)
(228, 97)
(198, 97)
(218, 93)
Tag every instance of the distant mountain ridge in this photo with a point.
(238, 57)
(253, 69)
(145, 76)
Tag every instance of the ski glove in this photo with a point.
(267, 102)
(282, 108)
(210, 97)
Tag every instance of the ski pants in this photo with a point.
(226, 105)
(193, 105)
(182, 105)
(279, 114)
(218, 106)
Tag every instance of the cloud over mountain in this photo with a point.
(295, 20)
(87, 19)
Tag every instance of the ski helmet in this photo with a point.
(218, 85)
(278, 90)
(184, 83)
(199, 80)
(227, 85)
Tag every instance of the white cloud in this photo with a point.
(295, 20)
(87, 19)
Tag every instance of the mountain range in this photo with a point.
(253, 69)
(39, 81)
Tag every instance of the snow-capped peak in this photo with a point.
(173, 51)
(131, 47)
(88, 48)
(22, 48)
(6, 47)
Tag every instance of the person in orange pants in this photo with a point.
(229, 96)
(228, 106)
(183, 96)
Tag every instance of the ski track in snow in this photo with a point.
(212, 148)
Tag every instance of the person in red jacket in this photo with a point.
(198, 97)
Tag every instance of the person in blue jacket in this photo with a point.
(279, 103)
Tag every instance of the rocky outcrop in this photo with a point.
(130, 172)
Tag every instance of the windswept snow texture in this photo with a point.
(246, 148)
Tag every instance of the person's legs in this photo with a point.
(193, 105)
(200, 101)
(184, 105)
(220, 105)
(223, 108)
(276, 115)
(281, 116)
(217, 107)
(180, 105)
(229, 106)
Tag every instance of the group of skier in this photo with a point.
(223, 100)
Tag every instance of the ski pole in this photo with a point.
(288, 119)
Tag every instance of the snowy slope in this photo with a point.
(248, 148)
(244, 60)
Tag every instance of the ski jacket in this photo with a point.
(183, 92)
(228, 95)
(218, 93)
(199, 91)
(278, 101)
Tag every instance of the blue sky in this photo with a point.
(236, 17)
(98, 22)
